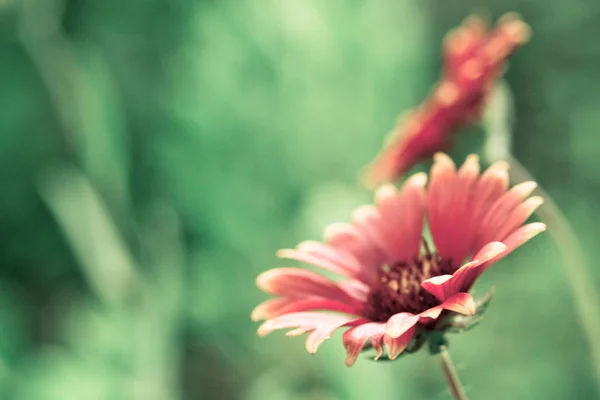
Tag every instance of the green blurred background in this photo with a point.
(155, 154)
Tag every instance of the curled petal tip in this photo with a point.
(441, 156)
(536, 201)
(261, 280)
(264, 329)
(472, 158)
(490, 251)
(399, 324)
(528, 186)
(385, 191)
(283, 253)
(256, 315)
(418, 179)
(500, 166)
(537, 227)
(349, 361)
(363, 212)
(476, 21)
(514, 25)
(510, 16)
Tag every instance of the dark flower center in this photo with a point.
(400, 289)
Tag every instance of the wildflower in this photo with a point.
(473, 59)
(393, 288)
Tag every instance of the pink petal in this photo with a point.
(430, 315)
(398, 345)
(269, 309)
(403, 215)
(297, 332)
(466, 275)
(499, 212)
(377, 343)
(461, 303)
(300, 320)
(439, 197)
(492, 184)
(520, 236)
(340, 234)
(321, 334)
(296, 282)
(357, 289)
(438, 286)
(355, 339)
(369, 222)
(454, 233)
(400, 323)
(321, 326)
(445, 286)
(350, 239)
(518, 216)
(323, 256)
(489, 251)
(276, 307)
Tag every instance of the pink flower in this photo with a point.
(392, 288)
(474, 59)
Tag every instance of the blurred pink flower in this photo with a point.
(390, 289)
(473, 59)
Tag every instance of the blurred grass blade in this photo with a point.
(91, 233)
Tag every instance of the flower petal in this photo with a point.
(461, 303)
(269, 308)
(308, 321)
(438, 286)
(518, 237)
(445, 286)
(322, 333)
(456, 231)
(369, 222)
(297, 332)
(355, 339)
(497, 215)
(398, 345)
(355, 288)
(350, 239)
(487, 190)
(324, 256)
(402, 215)
(377, 343)
(518, 216)
(430, 315)
(297, 282)
(400, 323)
(489, 251)
(276, 307)
(465, 276)
(439, 197)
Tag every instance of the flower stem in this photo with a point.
(454, 386)
(576, 267)
(498, 124)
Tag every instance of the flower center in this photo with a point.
(400, 289)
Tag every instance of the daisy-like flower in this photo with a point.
(474, 59)
(393, 289)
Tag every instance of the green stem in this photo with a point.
(454, 386)
(576, 267)
(498, 124)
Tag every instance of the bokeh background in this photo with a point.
(155, 153)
